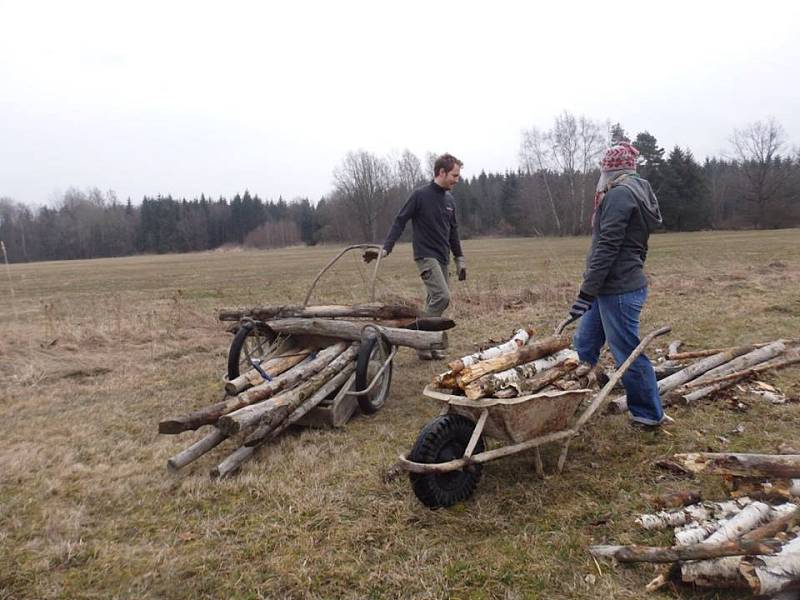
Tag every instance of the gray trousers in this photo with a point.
(434, 276)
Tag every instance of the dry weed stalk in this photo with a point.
(10, 282)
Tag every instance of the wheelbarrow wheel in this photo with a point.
(251, 342)
(371, 356)
(443, 439)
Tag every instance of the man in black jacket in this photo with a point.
(432, 211)
(614, 287)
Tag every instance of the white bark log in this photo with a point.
(750, 517)
(517, 376)
(773, 574)
(519, 339)
(745, 361)
(693, 513)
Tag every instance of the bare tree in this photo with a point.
(362, 182)
(535, 158)
(756, 149)
(408, 171)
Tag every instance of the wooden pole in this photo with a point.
(657, 554)
(196, 450)
(742, 465)
(373, 310)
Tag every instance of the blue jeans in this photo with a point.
(615, 317)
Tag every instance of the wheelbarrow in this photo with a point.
(446, 461)
(255, 342)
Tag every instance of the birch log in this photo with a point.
(689, 514)
(527, 378)
(272, 367)
(742, 465)
(745, 361)
(269, 415)
(657, 554)
(352, 331)
(773, 574)
(250, 415)
(519, 339)
(211, 414)
(525, 354)
(374, 310)
(693, 371)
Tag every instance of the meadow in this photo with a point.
(94, 353)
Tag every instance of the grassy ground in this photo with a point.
(94, 353)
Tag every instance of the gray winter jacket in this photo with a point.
(627, 215)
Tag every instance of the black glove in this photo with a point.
(371, 254)
(582, 304)
(461, 268)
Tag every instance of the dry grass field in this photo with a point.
(94, 353)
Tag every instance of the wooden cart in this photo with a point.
(445, 464)
(255, 342)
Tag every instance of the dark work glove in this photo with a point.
(372, 254)
(461, 268)
(582, 303)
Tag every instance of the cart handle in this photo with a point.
(337, 257)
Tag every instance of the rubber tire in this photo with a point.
(235, 351)
(442, 439)
(362, 376)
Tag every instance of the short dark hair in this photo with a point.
(447, 162)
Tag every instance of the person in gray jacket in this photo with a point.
(614, 287)
(432, 211)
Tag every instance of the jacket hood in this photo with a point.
(645, 197)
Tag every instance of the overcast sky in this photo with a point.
(180, 98)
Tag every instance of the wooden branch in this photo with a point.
(675, 499)
(657, 554)
(334, 384)
(272, 367)
(672, 349)
(528, 378)
(352, 331)
(694, 370)
(524, 354)
(742, 465)
(250, 415)
(420, 323)
(269, 415)
(374, 310)
(519, 339)
(712, 351)
(230, 465)
(211, 414)
(196, 450)
(785, 517)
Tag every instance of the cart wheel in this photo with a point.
(250, 342)
(371, 356)
(442, 439)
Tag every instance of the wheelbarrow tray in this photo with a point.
(514, 420)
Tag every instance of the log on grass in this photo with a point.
(233, 462)
(211, 414)
(527, 378)
(273, 412)
(196, 450)
(272, 367)
(742, 465)
(525, 354)
(692, 513)
(702, 551)
(372, 310)
(352, 331)
(690, 392)
(744, 361)
(519, 339)
(693, 371)
(773, 574)
(675, 499)
(250, 415)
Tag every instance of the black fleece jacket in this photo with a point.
(432, 211)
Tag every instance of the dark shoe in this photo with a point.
(439, 354)
(425, 355)
(637, 426)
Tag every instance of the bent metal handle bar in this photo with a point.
(337, 257)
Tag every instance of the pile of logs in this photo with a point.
(314, 360)
(519, 366)
(751, 542)
(686, 377)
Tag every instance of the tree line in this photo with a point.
(757, 185)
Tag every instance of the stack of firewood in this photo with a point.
(751, 542)
(315, 358)
(686, 377)
(519, 366)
